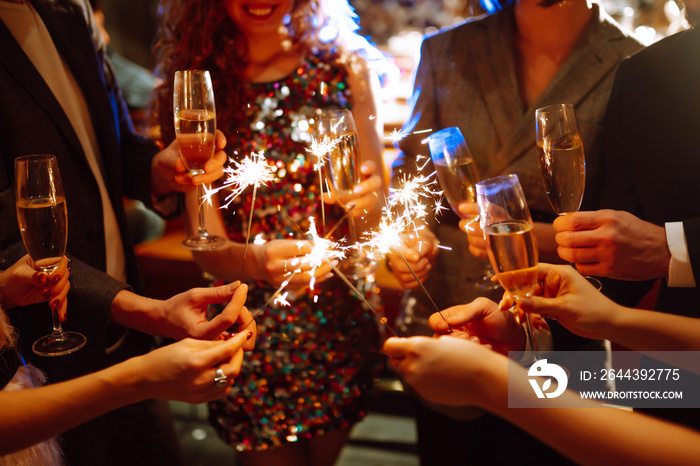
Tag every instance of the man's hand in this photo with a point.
(168, 171)
(615, 244)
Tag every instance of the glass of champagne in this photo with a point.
(510, 237)
(457, 173)
(342, 170)
(43, 223)
(561, 160)
(195, 130)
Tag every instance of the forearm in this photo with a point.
(32, 415)
(140, 313)
(642, 330)
(590, 434)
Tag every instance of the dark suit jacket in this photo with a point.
(650, 151)
(31, 122)
(651, 157)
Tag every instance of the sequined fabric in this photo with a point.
(313, 366)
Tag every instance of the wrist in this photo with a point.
(491, 382)
(125, 382)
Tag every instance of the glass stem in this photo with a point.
(57, 329)
(353, 234)
(531, 336)
(200, 210)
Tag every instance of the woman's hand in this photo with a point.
(283, 260)
(364, 195)
(483, 319)
(477, 242)
(186, 313)
(570, 299)
(448, 371)
(169, 173)
(185, 370)
(420, 252)
(22, 284)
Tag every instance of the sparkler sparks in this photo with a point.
(251, 171)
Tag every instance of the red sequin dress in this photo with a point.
(314, 363)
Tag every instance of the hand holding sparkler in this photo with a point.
(484, 320)
(419, 249)
(287, 261)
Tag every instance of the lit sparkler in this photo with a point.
(251, 171)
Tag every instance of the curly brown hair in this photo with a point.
(198, 34)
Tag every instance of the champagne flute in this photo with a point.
(510, 237)
(342, 171)
(561, 160)
(457, 173)
(43, 223)
(195, 130)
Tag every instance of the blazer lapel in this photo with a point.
(73, 40)
(495, 65)
(577, 76)
(13, 58)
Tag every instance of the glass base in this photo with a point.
(356, 267)
(203, 242)
(59, 345)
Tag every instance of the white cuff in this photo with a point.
(680, 272)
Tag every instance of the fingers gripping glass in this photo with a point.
(195, 130)
(561, 160)
(457, 173)
(43, 223)
(510, 237)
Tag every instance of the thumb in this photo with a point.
(220, 294)
(222, 351)
(230, 314)
(546, 307)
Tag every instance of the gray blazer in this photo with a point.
(467, 78)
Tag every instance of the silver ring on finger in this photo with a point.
(220, 379)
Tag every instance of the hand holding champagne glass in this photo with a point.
(43, 223)
(457, 173)
(342, 170)
(195, 130)
(510, 236)
(561, 160)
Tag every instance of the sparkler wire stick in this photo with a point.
(345, 280)
(423, 288)
(362, 298)
(341, 220)
(250, 223)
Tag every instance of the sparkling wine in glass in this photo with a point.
(458, 176)
(510, 237)
(342, 171)
(43, 223)
(195, 130)
(561, 160)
